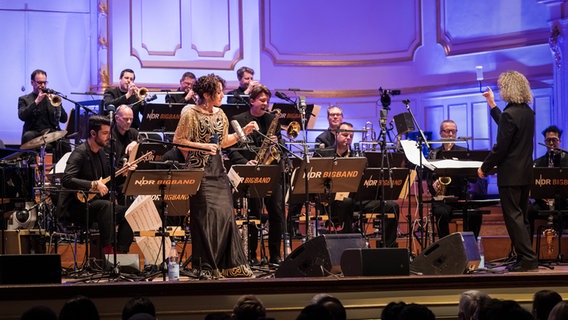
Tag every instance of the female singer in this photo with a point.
(217, 249)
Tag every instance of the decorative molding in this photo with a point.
(554, 40)
(279, 57)
(454, 46)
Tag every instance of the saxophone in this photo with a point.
(268, 152)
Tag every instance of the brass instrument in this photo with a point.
(142, 93)
(293, 129)
(54, 99)
(369, 135)
(268, 152)
(444, 182)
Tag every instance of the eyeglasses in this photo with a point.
(553, 140)
(335, 114)
(448, 131)
(40, 82)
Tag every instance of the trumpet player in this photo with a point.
(39, 111)
(334, 118)
(246, 84)
(185, 91)
(458, 187)
(126, 93)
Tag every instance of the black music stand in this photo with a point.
(162, 182)
(290, 112)
(256, 182)
(327, 175)
(158, 150)
(550, 183)
(233, 109)
(475, 155)
(395, 159)
(161, 117)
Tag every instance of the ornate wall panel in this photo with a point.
(338, 33)
(198, 34)
(485, 25)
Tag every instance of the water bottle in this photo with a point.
(173, 263)
(481, 254)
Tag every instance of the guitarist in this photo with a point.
(88, 164)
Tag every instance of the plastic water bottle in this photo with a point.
(173, 263)
(481, 254)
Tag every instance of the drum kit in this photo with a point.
(26, 195)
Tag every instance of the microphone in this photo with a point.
(110, 108)
(302, 102)
(383, 120)
(282, 96)
(465, 138)
(241, 136)
(49, 91)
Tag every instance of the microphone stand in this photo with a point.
(384, 158)
(421, 140)
(115, 270)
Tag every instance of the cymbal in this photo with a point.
(43, 139)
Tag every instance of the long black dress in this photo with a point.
(215, 238)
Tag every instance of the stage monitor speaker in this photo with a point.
(30, 268)
(375, 262)
(453, 254)
(404, 123)
(320, 256)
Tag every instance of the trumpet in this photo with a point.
(55, 100)
(142, 93)
(293, 129)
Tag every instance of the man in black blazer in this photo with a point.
(86, 168)
(259, 100)
(37, 111)
(334, 117)
(185, 93)
(125, 93)
(512, 155)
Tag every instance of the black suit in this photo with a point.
(459, 187)
(512, 154)
(237, 92)
(117, 97)
(179, 98)
(38, 118)
(274, 203)
(327, 138)
(84, 166)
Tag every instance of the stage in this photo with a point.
(364, 297)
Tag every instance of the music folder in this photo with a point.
(371, 184)
(233, 109)
(444, 167)
(161, 116)
(254, 181)
(339, 174)
(158, 150)
(289, 113)
(375, 159)
(549, 183)
(475, 155)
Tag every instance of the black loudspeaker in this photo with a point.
(320, 256)
(453, 254)
(375, 262)
(30, 268)
(404, 123)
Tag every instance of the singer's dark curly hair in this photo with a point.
(207, 84)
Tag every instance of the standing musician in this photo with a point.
(216, 247)
(342, 210)
(246, 84)
(86, 167)
(185, 85)
(126, 93)
(553, 158)
(259, 100)
(39, 112)
(334, 117)
(458, 187)
(512, 155)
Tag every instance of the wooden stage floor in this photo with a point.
(364, 297)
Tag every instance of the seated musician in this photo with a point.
(125, 139)
(86, 168)
(553, 158)
(459, 187)
(342, 210)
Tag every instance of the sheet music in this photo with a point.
(234, 178)
(142, 215)
(413, 155)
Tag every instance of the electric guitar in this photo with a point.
(91, 196)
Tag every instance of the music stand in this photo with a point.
(233, 109)
(328, 175)
(475, 155)
(395, 159)
(162, 182)
(158, 150)
(254, 182)
(162, 117)
(289, 113)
